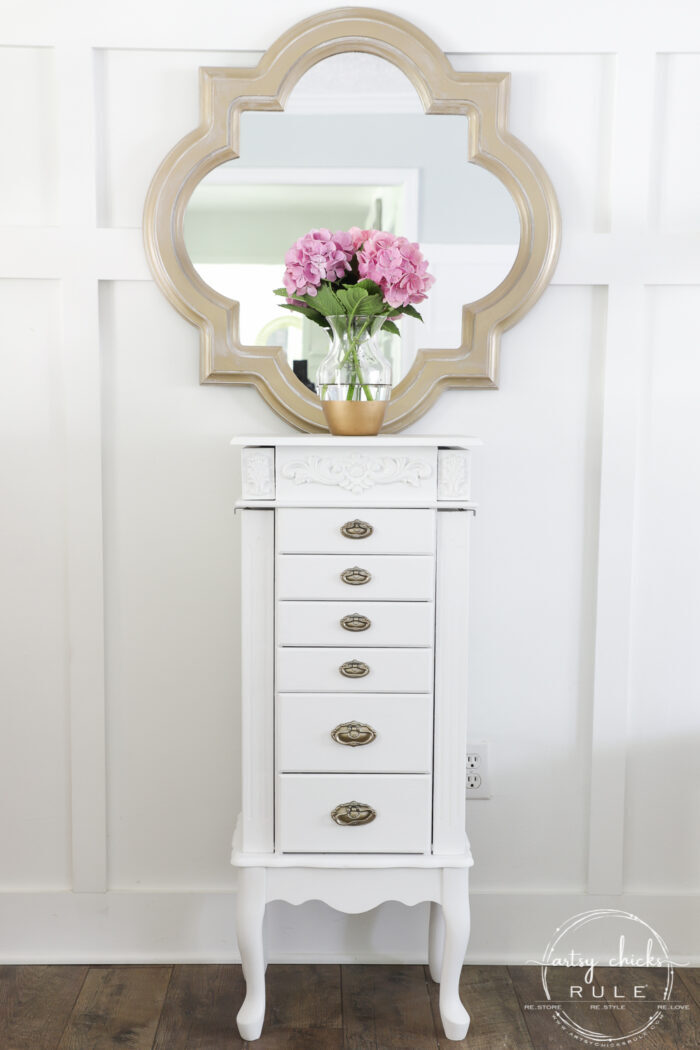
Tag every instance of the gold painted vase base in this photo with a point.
(354, 418)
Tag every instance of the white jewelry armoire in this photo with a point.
(355, 583)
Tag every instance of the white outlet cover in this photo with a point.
(477, 762)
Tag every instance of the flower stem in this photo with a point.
(353, 347)
(358, 373)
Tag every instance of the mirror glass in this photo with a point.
(352, 148)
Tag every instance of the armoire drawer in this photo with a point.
(353, 670)
(370, 733)
(373, 577)
(355, 530)
(392, 814)
(355, 623)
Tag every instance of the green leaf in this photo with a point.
(371, 305)
(308, 311)
(326, 301)
(371, 287)
(281, 291)
(343, 298)
(351, 297)
(389, 326)
(412, 312)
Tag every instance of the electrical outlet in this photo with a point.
(478, 785)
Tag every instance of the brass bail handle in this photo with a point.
(354, 669)
(355, 576)
(355, 622)
(354, 734)
(356, 529)
(353, 813)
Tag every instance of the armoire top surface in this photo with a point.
(381, 440)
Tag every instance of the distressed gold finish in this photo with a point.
(355, 622)
(481, 98)
(356, 529)
(354, 734)
(355, 576)
(354, 418)
(350, 813)
(354, 669)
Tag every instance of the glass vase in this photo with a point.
(354, 379)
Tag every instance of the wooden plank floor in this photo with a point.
(309, 1008)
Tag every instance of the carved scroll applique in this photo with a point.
(453, 474)
(358, 473)
(259, 473)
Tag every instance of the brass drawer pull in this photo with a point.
(354, 734)
(354, 669)
(350, 813)
(356, 576)
(356, 530)
(355, 622)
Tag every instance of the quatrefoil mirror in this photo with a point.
(352, 118)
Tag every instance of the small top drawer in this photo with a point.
(377, 577)
(352, 622)
(336, 670)
(355, 530)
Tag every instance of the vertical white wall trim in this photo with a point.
(83, 457)
(624, 360)
(614, 596)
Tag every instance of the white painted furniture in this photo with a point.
(354, 658)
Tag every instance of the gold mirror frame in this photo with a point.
(480, 97)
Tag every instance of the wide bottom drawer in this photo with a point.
(353, 813)
(354, 733)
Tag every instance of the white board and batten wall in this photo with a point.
(119, 761)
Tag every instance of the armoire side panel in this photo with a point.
(257, 679)
(451, 658)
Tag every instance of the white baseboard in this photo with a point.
(157, 927)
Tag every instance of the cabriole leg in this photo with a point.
(250, 914)
(266, 941)
(436, 941)
(455, 907)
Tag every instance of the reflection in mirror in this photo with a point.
(353, 148)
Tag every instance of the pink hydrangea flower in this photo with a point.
(394, 263)
(358, 236)
(317, 256)
(397, 265)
